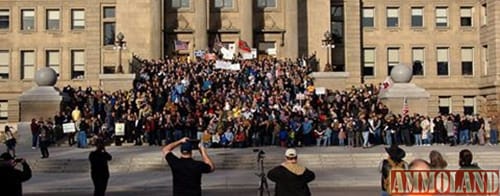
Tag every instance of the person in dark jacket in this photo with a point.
(11, 179)
(99, 170)
(290, 178)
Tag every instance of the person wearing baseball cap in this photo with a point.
(291, 178)
(186, 171)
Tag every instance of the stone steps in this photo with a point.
(248, 162)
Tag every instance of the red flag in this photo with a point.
(242, 45)
(406, 108)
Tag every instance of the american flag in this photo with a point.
(217, 44)
(180, 45)
(406, 108)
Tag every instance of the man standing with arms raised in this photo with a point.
(291, 179)
(185, 170)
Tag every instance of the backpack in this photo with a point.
(392, 166)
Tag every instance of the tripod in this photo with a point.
(263, 186)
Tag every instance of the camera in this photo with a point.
(194, 143)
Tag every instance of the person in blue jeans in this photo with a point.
(465, 125)
(493, 130)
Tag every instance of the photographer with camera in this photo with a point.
(291, 179)
(185, 170)
(11, 179)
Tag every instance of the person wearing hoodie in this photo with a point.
(291, 178)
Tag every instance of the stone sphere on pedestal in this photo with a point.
(46, 77)
(401, 74)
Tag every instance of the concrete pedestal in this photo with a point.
(417, 98)
(40, 102)
(331, 80)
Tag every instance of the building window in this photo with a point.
(109, 33)
(442, 61)
(469, 105)
(109, 12)
(4, 110)
(337, 24)
(77, 64)
(77, 19)
(484, 14)
(441, 17)
(4, 19)
(52, 20)
(467, 61)
(444, 104)
(418, 57)
(369, 62)
(53, 59)
(392, 59)
(4, 64)
(27, 64)
(223, 3)
(466, 17)
(417, 17)
(368, 17)
(266, 3)
(392, 17)
(179, 3)
(484, 56)
(27, 20)
(268, 48)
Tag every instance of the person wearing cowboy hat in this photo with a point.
(393, 162)
(291, 179)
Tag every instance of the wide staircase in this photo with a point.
(230, 160)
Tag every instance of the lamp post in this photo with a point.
(120, 45)
(328, 43)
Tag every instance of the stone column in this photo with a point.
(292, 28)
(246, 18)
(200, 32)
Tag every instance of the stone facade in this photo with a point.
(292, 27)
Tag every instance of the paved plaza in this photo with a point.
(141, 169)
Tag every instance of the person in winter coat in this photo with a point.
(291, 178)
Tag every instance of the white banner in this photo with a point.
(120, 129)
(247, 56)
(320, 90)
(69, 128)
(227, 54)
(254, 53)
(227, 65)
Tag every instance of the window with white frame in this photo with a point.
(368, 17)
(27, 19)
(469, 105)
(4, 19)
(442, 61)
(266, 3)
(392, 59)
(445, 104)
(418, 56)
(467, 54)
(27, 64)
(4, 64)
(417, 17)
(180, 3)
(77, 19)
(484, 57)
(4, 110)
(441, 17)
(369, 62)
(53, 19)
(466, 17)
(392, 17)
(53, 59)
(77, 64)
(223, 3)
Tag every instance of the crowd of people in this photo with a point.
(266, 102)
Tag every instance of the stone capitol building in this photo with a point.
(451, 45)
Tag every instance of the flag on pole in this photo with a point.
(217, 44)
(243, 46)
(406, 108)
(180, 45)
(387, 84)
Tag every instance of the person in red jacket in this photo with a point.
(291, 179)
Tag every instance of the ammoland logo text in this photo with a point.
(444, 182)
